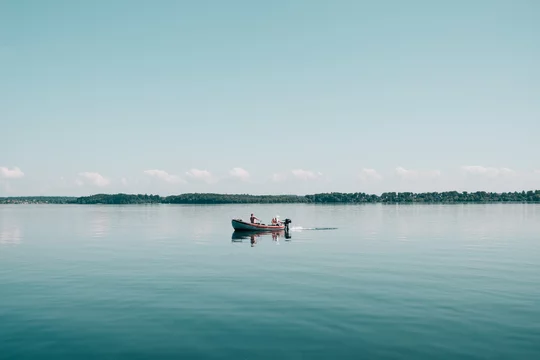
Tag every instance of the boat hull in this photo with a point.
(240, 225)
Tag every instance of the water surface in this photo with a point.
(169, 281)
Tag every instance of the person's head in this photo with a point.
(251, 214)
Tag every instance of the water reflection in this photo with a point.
(253, 236)
(100, 224)
(10, 234)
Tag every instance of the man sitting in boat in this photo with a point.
(253, 218)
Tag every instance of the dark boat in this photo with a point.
(241, 225)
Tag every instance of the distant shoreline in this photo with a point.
(448, 197)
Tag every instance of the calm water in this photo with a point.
(164, 282)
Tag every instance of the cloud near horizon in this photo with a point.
(279, 177)
(201, 175)
(305, 174)
(6, 173)
(165, 176)
(299, 174)
(468, 178)
(369, 174)
(239, 173)
(93, 178)
(415, 174)
(487, 171)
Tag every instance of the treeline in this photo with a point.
(196, 198)
(448, 197)
(119, 199)
(37, 200)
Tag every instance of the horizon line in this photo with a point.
(276, 195)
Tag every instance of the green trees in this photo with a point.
(37, 200)
(449, 197)
(119, 199)
(195, 198)
(344, 198)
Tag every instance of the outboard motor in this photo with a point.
(287, 222)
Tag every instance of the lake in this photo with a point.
(349, 282)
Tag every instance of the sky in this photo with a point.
(268, 97)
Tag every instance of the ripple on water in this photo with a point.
(168, 282)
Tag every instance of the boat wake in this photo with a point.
(301, 228)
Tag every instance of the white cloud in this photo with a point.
(297, 174)
(305, 174)
(124, 181)
(163, 175)
(278, 177)
(415, 174)
(537, 171)
(202, 175)
(506, 171)
(487, 171)
(239, 173)
(406, 174)
(369, 174)
(6, 173)
(93, 178)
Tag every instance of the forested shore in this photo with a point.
(449, 197)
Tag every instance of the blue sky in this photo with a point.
(268, 97)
